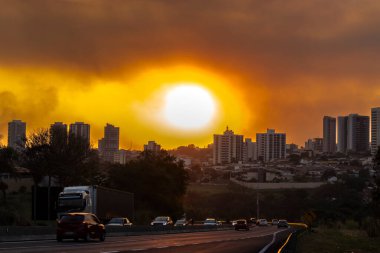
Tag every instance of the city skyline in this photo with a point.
(337, 131)
(121, 63)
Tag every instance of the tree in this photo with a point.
(195, 173)
(8, 159)
(78, 163)
(36, 155)
(71, 161)
(294, 158)
(328, 173)
(376, 160)
(37, 158)
(376, 192)
(157, 180)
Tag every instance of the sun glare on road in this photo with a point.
(189, 106)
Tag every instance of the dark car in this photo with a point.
(80, 226)
(282, 224)
(241, 224)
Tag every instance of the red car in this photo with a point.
(80, 226)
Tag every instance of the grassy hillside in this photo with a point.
(333, 240)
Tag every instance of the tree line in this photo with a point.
(157, 180)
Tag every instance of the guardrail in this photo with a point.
(18, 233)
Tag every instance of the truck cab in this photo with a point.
(74, 199)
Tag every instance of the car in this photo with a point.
(252, 221)
(181, 223)
(211, 222)
(262, 222)
(80, 226)
(119, 222)
(282, 224)
(241, 224)
(274, 222)
(162, 221)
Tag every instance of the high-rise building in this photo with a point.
(121, 156)
(271, 145)
(152, 146)
(58, 134)
(342, 134)
(80, 130)
(291, 148)
(16, 134)
(227, 147)
(309, 144)
(357, 133)
(375, 129)
(249, 150)
(315, 144)
(109, 145)
(329, 134)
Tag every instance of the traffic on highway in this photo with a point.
(217, 239)
(84, 232)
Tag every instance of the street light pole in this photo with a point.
(257, 204)
(257, 195)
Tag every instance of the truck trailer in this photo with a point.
(104, 202)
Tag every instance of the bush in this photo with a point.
(7, 217)
(351, 224)
(372, 227)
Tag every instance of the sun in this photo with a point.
(189, 106)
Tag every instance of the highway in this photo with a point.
(205, 242)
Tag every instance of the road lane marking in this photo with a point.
(263, 250)
(287, 240)
(202, 238)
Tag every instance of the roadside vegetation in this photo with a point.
(340, 239)
(157, 180)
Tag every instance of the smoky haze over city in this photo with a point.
(278, 65)
(189, 126)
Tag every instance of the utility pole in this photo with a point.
(257, 204)
(257, 195)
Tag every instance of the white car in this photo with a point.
(274, 222)
(181, 223)
(162, 221)
(119, 222)
(263, 222)
(211, 222)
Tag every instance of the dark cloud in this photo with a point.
(33, 105)
(315, 37)
(306, 49)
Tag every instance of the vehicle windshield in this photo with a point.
(161, 218)
(116, 220)
(71, 202)
(72, 218)
(181, 221)
(210, 221)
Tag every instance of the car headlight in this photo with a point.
(151, 223)
(165, 223)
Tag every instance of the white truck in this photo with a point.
(104, 202)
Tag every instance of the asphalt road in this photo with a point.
(228, 241)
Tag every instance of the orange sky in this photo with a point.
(267, 64)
